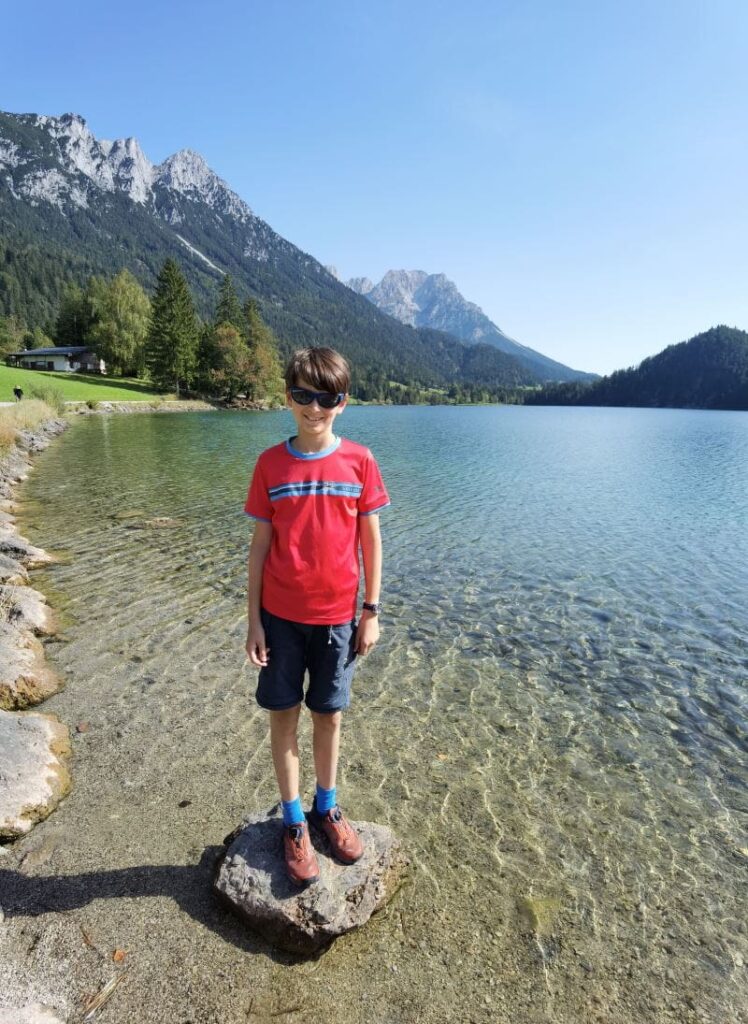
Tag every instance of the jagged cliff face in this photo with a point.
(65, 164)
(427, 300)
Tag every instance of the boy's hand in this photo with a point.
(367, 633)
(257, 652)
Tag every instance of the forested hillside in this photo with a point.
(708, 372)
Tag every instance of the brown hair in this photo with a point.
(323, 368)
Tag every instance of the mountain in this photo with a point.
(432, 300)
(708, 372)
(72, 205)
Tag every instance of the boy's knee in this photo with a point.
(285, 721)
(329, 722)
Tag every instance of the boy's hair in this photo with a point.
(323, 368)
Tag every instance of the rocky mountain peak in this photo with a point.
(187, 172)
(362, 285)
(84, 165)
(432, 300)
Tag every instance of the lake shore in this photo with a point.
(35, 746)
(527, 726)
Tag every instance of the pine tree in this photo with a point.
(228, 310)
(171, 348)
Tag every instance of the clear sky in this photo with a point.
(579, 168)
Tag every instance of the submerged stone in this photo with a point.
(539, 913)
(251, 878)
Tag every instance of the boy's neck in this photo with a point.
(312, 445)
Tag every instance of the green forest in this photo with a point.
(708, 372)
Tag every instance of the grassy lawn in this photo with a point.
(76, 387)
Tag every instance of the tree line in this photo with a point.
(163, 338)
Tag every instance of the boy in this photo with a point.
(315, 500)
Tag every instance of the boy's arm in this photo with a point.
(258, 552)
(371, 550)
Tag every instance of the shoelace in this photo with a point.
(338, 821)
(297, 838)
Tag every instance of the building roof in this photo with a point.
(74, 350)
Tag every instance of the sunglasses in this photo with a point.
(325, 400)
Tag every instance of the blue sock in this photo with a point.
(293, 813)
(325, 799)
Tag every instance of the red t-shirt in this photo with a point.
(314, 502)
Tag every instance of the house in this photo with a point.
(70, 359)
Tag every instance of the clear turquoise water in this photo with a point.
(554, 722)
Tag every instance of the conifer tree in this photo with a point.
(228, 310)
(171, 348)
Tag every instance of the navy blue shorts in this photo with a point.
(326, 652)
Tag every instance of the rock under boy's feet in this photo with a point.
(301, 861)
(344, 841)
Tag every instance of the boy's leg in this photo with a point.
(326, 745)
(301, 863)
(285, 749)
(325, 814)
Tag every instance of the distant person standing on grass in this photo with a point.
(315, 499)
(18, 392)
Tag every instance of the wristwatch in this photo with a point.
(374, 608)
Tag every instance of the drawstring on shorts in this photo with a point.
(329, 636)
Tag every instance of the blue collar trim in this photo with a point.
(312, 455)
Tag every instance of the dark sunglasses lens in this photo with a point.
(325, 400)
(328, 401)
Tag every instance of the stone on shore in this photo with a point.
(33, 1013)
(11, 571)
(14, 546)
(26, 608)
(25, 678)
(33, 774)
(251, 878)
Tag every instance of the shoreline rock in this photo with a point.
(33, 747)
(33, 774)
(251, 879)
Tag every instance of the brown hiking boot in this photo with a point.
(344, 841)
(301, 861)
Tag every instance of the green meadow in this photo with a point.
(76, 387)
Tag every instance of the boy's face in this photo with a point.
(312, 420)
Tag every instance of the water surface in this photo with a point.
(554, 721)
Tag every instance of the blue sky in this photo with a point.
(579, 169)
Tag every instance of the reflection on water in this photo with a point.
(554, 721)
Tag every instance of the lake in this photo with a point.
(554, 721)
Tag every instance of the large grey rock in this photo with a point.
(33, 774)
(251, 878)
(25, 678)
(17, 547)
(11, 571)
(26, 608)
